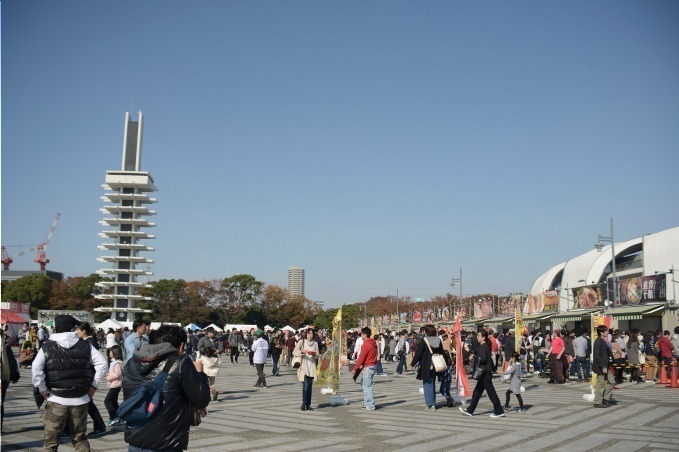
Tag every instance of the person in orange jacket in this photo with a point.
(367, 359)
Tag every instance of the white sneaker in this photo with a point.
(463, 411)
(497, 415)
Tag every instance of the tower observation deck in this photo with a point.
(126, 211)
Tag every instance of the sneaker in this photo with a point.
(522, 410)
(600, 405)
(370, 409)
(507, 407)
(96, 433)
(463, 411)
(430, 408)
(497, 415)
(118, 423)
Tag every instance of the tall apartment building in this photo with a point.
(125, 211)
(295, 281)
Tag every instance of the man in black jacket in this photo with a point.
(600, 363)
(186, 386)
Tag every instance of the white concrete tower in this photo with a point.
(125, 211)
(295, 281)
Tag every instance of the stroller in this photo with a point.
(544, 365)
(26, 355)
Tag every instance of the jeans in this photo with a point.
(261, 380)
(275, 357)
(307, 386)
(367, 383)
(446, 379)
(378, 368)
(401, 363)
(429, 387)
(580, 363)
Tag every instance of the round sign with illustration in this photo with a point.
(633, 291)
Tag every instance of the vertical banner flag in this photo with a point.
(336, 351)
(518, 328)
(329, 364)
(462, 385)
(596, 321)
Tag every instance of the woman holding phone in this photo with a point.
(307, 348)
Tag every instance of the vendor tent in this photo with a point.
(268, 328)
(110, 323)
(156, 325)
(7, 316)
(288, 328)
(214, 326)
(239, 327)
(192, 327)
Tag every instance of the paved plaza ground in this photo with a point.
(646, 418)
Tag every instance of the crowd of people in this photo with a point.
(69, 365)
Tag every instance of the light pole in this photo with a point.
(454, 280)
(599, 247)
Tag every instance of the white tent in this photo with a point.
(213, 326)
(156, 325)
(268, 328)
(192, 327)
(289, 328)
(110, 323)
(239, 327)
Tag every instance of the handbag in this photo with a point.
(642, 358)
(478, 371)
(436, 358)
(297, 357)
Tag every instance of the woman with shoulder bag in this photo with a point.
(428, 346)
(484, 379)
(307, 348)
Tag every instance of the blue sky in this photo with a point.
(380, 145)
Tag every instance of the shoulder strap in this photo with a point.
(428, 346)
(169, 362)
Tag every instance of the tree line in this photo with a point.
(236, 299)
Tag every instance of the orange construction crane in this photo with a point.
(41, 258)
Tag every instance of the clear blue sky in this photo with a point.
(380, 145)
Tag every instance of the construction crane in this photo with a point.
(7, 259)
(40, 257)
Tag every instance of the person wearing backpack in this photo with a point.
(185, 388)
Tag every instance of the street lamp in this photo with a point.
(610, 239)
(454, 280)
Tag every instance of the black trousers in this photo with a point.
(93, 411)
(485, 383)
(111, 402)
(234, 354)
(518, 397)
(5, 385)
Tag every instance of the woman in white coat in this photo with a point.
(307, 348)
